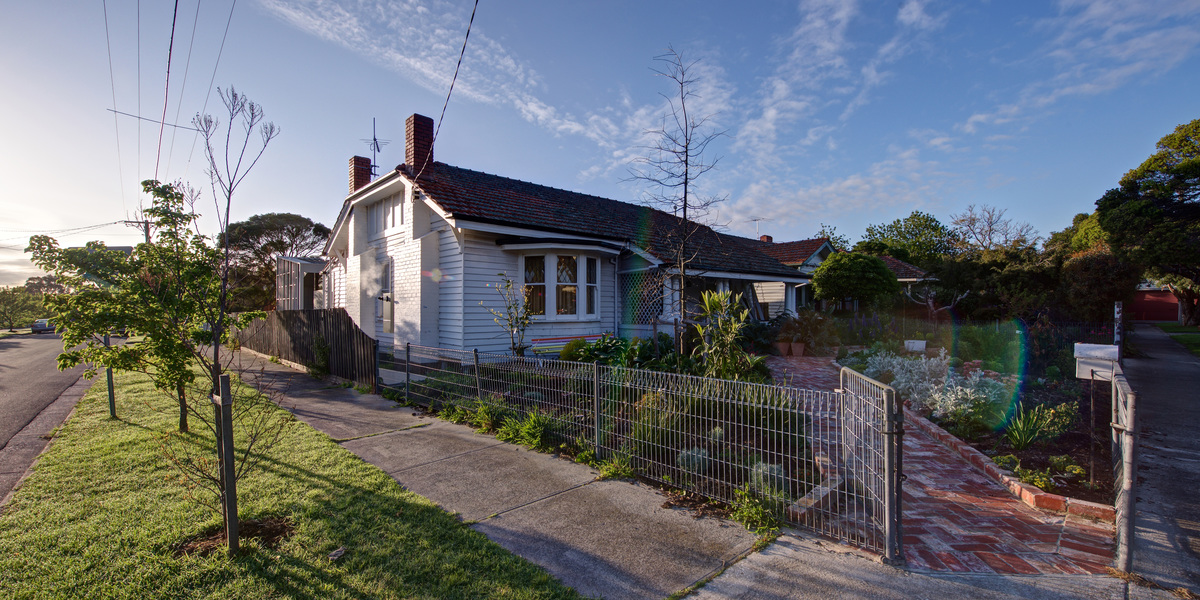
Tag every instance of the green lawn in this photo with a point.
(1176, 328)
(20, 331)
(100, 515)
(1189, 341)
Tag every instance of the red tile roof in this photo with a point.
(482, 197)
(903, 270)
(793, 253)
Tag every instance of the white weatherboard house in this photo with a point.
(416, 255)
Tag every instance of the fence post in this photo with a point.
(375, 380)
(596, 404)
(112, 397)
(893, 480)
(223, 411)
(407, 371)
(478, 385)
(1126, 500)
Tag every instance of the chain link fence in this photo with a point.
(826, 461)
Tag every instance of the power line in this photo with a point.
(220, 51)
(138, 165)
(450, 91)
(155, 121)
(116, 128)
(183, 87)
(166, 89)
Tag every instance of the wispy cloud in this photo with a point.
(813, 56)
(422, 42)
(903, 181)
(1096, 46)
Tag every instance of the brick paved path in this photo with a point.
(958, 519)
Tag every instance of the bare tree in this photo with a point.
(985, 228)
(927, 297)
(227, 168)
(673, 163)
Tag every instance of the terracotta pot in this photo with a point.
(797, 348)
(783, 348)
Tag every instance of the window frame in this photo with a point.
(551, 284)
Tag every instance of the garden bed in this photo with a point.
(1073, 494)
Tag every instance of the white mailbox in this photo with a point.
(1095, 361)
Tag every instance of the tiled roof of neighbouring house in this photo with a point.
(793, 253)
(903, 270)
(477, 196)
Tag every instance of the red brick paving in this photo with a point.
(958, 519)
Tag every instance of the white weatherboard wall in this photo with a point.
(482, 262)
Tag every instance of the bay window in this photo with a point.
(575, 280)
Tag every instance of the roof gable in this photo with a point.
(794, 253)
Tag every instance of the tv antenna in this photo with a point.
(756, 220)
(376, 145)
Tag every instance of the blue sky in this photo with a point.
(838, 112)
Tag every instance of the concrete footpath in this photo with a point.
(1166, 379)
(614, 539)
(18, 456)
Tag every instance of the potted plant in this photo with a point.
(815, 332)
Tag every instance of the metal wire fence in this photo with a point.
(821, 460)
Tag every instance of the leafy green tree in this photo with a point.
(1153, 218)
(850, 275)
(165, 291)
(838, 240)
(1094, 279)
(48, 284)
(881, 248)
(18, 307)
(925, 238)
(254, 246)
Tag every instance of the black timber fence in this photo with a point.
(296, 335)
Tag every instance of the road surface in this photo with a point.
(29, 379)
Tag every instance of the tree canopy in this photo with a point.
(920, 234)
(851, 275)
(1153, 219)
(255, 243)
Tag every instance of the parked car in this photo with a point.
(42, 326)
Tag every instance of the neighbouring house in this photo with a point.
(417, 254)
(1154, 303)
(297, 279)
(804, 256)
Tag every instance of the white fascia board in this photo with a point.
(745, 276)
(561, 246)
(372, 191)
(516, 231)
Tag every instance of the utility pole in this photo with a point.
(144, 225)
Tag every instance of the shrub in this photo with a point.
(574, 350)
(768, 479)
(915, 379)
(1008, 462)
(319, 368)
(693, 460)
(490, 414)
(617, 467)
(752, 513)
(1040, 423)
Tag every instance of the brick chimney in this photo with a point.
(766, 238)
(360, 172)
(418, 142)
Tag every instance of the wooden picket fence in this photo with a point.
(293, 335)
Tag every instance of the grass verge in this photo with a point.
(1189, 341)
(102, 512)
(1177, 328)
